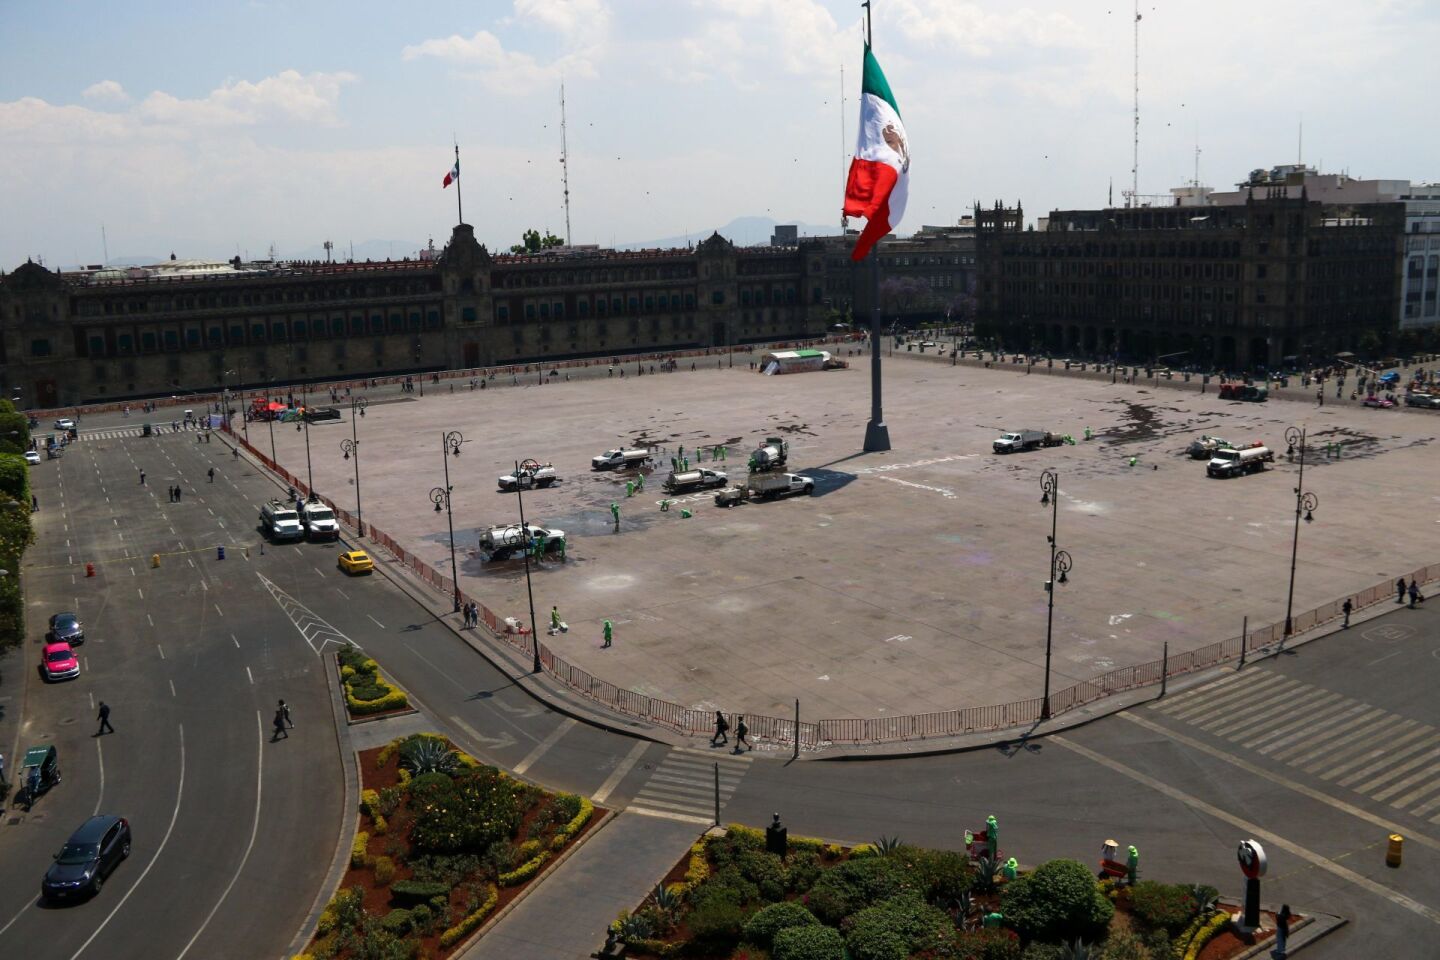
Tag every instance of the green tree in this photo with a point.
(532, 242)
(1058, 902)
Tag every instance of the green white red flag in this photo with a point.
(452, 176)
(879, 181)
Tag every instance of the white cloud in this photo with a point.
(484, 58)
(588, 19)
(967, 27)
(286, 97)
(106, 91)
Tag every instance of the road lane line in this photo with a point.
(626, 764)
(376, 622)
(174, 815)
(162, 651)
(254, 832)
(217, 607)
(172, 688)
(1273, 777)
(317, 570)
(141, 592)
(342, 593)
(100, 794)
(544, 745)
(151, 619)
(250, 675)
(237, 642)
(667, 815)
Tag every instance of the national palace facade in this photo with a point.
(67, 338)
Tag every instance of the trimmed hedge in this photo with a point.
(896, 928)
(470, 921)
(417, 891)
(1057, 903)
(523, 872)
(808, 943)
(358, 857)
(762, 926)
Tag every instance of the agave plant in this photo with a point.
(1078, 950)
(666, 900)
(886, 846)
(1206, 898)
(635, 928)
(985, 868)
(964, 911)
(427, 755)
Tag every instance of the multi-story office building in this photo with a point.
(1234, 286)
(926, 276)
(67, 338)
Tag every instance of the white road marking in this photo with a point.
(151, 619)
(626, 764)
(162, 651)
(376, 622)
(1255, 830)
(254, 831)
(172, 688)
(250, 675)
(217, 608)
(342, 593)
(174, 815)
(317, 570)
(682, 817)
(544, 746)
(237, 642)
(141, 592)
(99, 794)
(190, 560)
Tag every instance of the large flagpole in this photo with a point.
(459, 210)
(877, 435)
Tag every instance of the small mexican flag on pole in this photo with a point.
(879, 182)
(454, 177)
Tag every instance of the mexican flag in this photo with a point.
(880, 172)
(452, 176)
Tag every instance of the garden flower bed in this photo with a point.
(368, 695)
(729, 899)
(443, 842)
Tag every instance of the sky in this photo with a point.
(210, 129)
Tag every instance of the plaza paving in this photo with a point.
(913, 580)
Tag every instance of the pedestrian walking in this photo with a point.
(3, 781)
(34, 504)
(615, 513)
(554, 620)
(1400, 590)
(177, 493)
(285, 714)
(104, 719)
(740, 733)
(609, 629)
(142, 478)
(280, 730)
(721, 727)
(1346, 608)
(1414, 593)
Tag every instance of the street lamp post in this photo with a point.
(305, 421)
(1060, 565)
(1305, 502)
(450, 446)
(529, 593)
(352, 446)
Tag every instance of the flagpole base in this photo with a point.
(877, 437)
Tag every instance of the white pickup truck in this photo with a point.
(529, 475)
(620, 459)
(698, 479)
(1017, 440)
(766, 486)
(501, 543)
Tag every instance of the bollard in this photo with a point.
(89, 569)
(1393, 852)
(219, 553)
(154, 559)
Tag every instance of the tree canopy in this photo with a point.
(533, 242)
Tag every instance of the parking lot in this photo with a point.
(912, 580)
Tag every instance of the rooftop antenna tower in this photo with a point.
(328, 247)
(1135, 144)
(104, 245)
(564, 163)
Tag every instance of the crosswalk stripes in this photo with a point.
(114, 433)
(683, 785)
(1389, 758)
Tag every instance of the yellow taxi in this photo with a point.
(356, 561)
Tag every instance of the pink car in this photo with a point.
(1374, 401)
(59, 663)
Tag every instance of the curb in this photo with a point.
(340, 860)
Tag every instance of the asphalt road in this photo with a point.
(1157, 776)
(191, 657)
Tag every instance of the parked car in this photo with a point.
(1379, 402)
(32, 457)
(356, 561)
(87, 858)
(64, 423)
(58, 662)
(67, 628)
(1428, 401)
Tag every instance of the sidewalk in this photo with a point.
(566, 918)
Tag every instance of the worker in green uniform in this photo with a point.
(609, 633)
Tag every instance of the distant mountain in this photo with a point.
(742, 231)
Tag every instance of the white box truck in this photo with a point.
(280, 522)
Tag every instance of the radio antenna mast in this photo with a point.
(565, 163)
(1135, 145)
(844, 166)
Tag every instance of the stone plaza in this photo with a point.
(913, 580)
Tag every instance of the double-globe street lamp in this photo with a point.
(449, 446)
(530, 466)
(1060, 565)
(352, 446)
(1305, 503)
